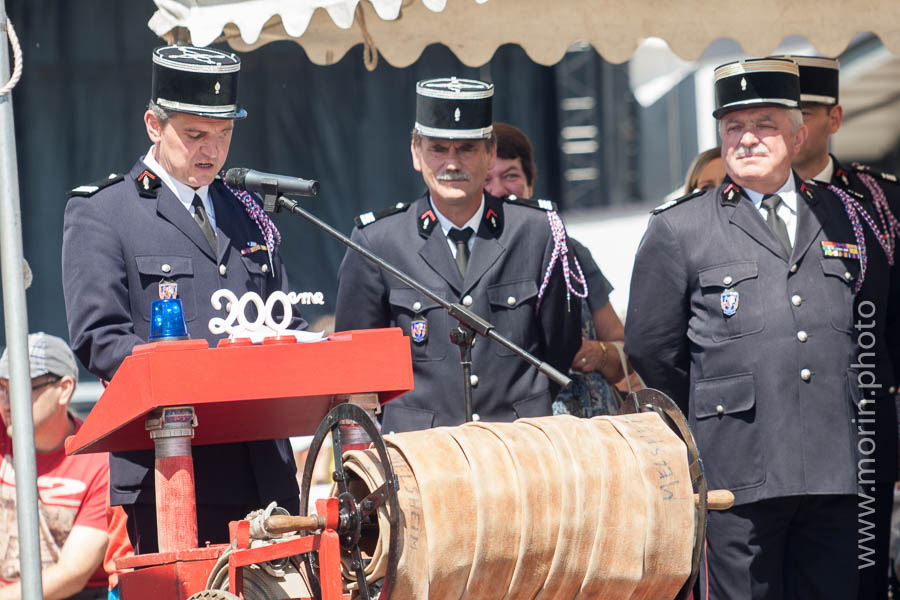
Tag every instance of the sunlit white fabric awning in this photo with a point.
(473, 29)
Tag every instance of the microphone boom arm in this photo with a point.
(466, 318)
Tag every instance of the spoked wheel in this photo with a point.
(355, 515)
(650, 400)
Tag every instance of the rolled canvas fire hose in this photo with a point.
(551, 507)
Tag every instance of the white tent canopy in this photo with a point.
(473, 29)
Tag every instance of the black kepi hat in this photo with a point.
(456, 109)
(756, 82)
(197, 81)
(818, 78)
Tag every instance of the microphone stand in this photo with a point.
(469, 323)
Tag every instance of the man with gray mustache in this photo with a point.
(742, 309)
(501, 258)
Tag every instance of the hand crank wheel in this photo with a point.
(353, 513)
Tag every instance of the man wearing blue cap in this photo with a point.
(502, 258)
(171, 226)
(742, 309)
(72, 490)
(874, 198)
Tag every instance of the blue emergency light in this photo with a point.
(167, 320)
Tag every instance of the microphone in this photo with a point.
(269, 184)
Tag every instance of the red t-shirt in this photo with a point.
(119, 545)
(72, 490)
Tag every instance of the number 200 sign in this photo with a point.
(236, 323)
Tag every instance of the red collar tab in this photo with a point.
(843, 176)
(807, 191)
(427, 221)
(493, 219)
(147, 184)
(731, 193)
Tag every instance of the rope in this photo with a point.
(891, 232)
(370, 52)
(267, 228)
(560, 251)
(853, 210)
(17, 59)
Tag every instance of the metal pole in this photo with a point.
(16, 326)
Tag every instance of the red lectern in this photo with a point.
(239, 391)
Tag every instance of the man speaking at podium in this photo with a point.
(172, 224)
(501, 258)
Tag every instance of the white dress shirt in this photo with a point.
(787, 209)
(446, 225)
(827, 172)
(184, 193)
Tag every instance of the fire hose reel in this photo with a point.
(386, 496)
(605, 507)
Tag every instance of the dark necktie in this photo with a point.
(461, 238)
(776, 223)
(202, 220)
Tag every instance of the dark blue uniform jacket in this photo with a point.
(508, 260)
(117, 246)
(771, 391)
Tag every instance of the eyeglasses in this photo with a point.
(53, 379)
(4, 383)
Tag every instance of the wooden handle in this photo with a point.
(715, 500)
(288, 524)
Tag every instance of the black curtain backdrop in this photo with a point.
(78, 117)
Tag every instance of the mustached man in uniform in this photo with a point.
(742, 309)
(500, 257)
(874, 199)
(171, 223)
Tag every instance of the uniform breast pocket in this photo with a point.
(257, 265)
(731, 296)
(840, 280)
(177, 270)
(512, 311)
(423, 320)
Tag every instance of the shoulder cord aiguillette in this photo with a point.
(852, 207)
(270, 233)
(561, 253)
(889, 223)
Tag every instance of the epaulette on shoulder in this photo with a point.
(821, 185)
(667, 205)
(539, 203)
(92, 188)
(879, 174)
(370, 217)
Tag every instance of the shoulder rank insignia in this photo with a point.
(667, 205)
(92, 188)
(540, 204)
(370, 217)
(147, 184)
(869, 170)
